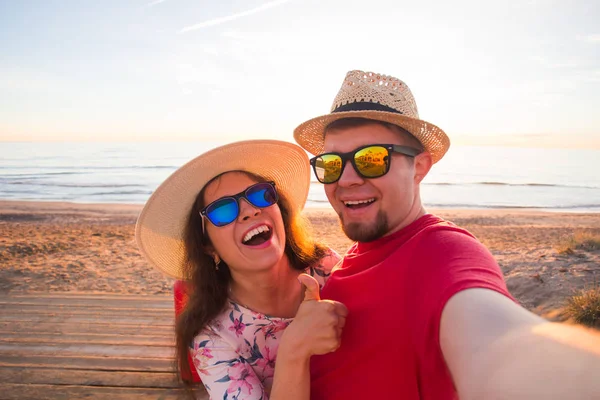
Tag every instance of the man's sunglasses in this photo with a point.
(225, 210)
(370, 161)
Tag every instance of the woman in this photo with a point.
(229, 223)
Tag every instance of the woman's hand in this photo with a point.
(317, 327)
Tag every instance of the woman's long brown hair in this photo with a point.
(207, 287)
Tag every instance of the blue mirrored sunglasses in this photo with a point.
(225, 210)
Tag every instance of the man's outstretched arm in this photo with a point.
(496, 349)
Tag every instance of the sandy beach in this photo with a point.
(58, 247)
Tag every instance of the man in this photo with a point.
(430, 316)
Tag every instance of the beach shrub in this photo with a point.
(584, 307)
(579, 241)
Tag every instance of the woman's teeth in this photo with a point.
(254, 232)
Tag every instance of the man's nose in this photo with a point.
(349, 176)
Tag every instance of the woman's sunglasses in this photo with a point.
(370, 161)
(225, 210)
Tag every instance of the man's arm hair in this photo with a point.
(496, 349)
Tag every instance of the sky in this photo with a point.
(510, 73)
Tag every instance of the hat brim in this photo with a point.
(311, 134)
(161, 223)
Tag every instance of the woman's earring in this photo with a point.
(217, 262)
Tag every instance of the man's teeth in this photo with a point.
(355, 202)
(254, 232)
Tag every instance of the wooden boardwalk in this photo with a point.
(66, 346)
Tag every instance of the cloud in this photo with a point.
(554, 65)
(155, 2)
(218, 21)
(590, 38)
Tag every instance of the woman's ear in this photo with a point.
(210, 251)
(217, 260)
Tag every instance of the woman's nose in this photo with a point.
(247, 210)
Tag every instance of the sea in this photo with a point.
(467, 177)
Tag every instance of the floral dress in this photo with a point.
(235, 355)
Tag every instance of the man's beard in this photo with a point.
(365, 231)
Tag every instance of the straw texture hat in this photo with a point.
(379, 97)
(160, 226)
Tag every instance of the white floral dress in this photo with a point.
(235, 355)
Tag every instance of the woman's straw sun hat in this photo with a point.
(378, 97)
(160, 225)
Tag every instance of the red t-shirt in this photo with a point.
(395, 289)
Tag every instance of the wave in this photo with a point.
(514, 184)
(76, 185)
(40, 175)
(493, 183)
(486, 183)
(122, 192)
(562, 208)
(86, 167)
(504, 206)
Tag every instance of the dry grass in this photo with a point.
(584, 308)
(579, 241)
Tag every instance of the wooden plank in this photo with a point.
(109, 313)
(89, 319)
(85, 296)
(13, 391)
(165, 305)
(132, 307)
(66, 328)
(88, 350)
(89, 297)
(58, 346)
(50, 376)
(133, 340)
(125, 308)
(86, 362)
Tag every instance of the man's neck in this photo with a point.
(416, 212)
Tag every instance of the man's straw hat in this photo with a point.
(160, 226)
(379, 97)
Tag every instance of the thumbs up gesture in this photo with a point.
(317, 327)
(311, 287)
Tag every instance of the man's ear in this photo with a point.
(423, 163)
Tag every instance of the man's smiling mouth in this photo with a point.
(358, 203)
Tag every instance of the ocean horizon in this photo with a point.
(467, 177)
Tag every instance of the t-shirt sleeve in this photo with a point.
(449, 261)
(223, 372)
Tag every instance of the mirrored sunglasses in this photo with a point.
(370, 161)
(225, 210)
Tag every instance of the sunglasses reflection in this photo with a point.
(369, 162)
